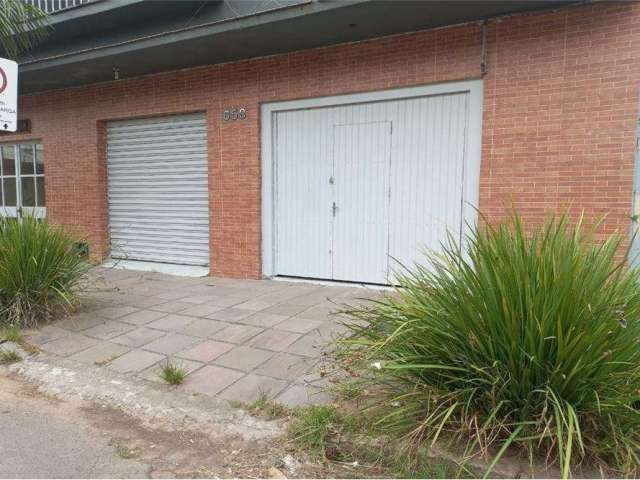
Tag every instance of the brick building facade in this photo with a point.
(560, 107)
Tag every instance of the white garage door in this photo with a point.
(359, 189)
(158, 189)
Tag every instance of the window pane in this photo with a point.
(8, 161)
(40, 191)
(39, 159)
(28, 192)
(26, 159)
(9, 192)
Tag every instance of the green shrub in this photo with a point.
(527, 340)
(40, 271)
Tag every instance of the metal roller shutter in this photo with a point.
(158, 189)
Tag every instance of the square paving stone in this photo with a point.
(81, 321)
(319, 376)
(206, 351)
(142, 317)
(196, 299)
(201, 310)
(210, 380)
(202, 327)
(69, 345)
(142, 301)
(285, 309)
(276, 340)
(100, 354)
(331, 331)
(255, 304)
(236, 333)
(311, 299)
(298, 395)
(286, 366)
(138, 337)
(171, 307)
(135, 361)
(173, 294)
(322, 312)
(171, 322)
(299, 325)
(243, 358)
(250, 387)
(224, 301)
(153, 373)
(116, 312)
(170, 344)
(231, 314)
(264, 320)
(311, 345)
(47, 334)
(109, 329)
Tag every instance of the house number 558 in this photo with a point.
(234, 114)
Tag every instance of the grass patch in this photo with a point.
(124, 451)
(30, 348)
(9, 356)
(263, 407)
(12, 333)
(332, 435)
(311, 428)
(525, 341)
(349, 389)
(172, 373)
(40, 271)
(404, 467)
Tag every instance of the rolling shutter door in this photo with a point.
(158, 189)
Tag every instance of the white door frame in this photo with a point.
(473, 148)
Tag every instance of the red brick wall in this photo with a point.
(560, 103)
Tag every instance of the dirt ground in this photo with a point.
(48, 437)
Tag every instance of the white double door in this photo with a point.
(361, 189)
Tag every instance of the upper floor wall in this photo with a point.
(103, 40)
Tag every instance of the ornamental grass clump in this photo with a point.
(41, 271)
(528, 341)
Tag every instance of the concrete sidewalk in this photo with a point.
(236, 338)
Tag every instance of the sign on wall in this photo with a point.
(8, 95)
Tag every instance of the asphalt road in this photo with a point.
(44, 438)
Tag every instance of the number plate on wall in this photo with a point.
(234, 114)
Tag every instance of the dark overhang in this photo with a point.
(139, 37)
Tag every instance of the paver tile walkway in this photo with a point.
(235, 338)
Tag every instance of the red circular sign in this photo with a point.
(3, 80)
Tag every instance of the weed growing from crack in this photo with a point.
(124, 451)
(12, 333)
(264, 407)
(9, 356)
(172, 373)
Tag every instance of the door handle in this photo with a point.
(334, 208)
